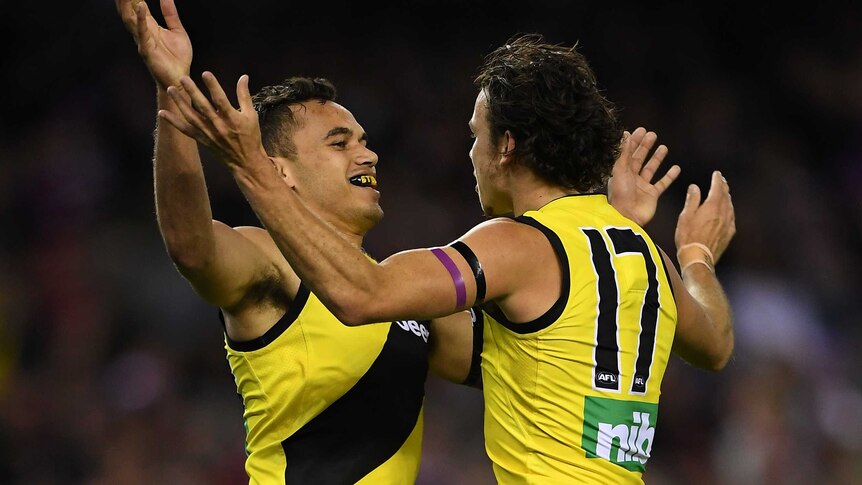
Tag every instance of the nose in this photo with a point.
(367, 157)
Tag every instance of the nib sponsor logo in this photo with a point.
(621, 432)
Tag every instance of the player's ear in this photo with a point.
(283, 169)
(506, 147)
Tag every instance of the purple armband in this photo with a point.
(460, 289)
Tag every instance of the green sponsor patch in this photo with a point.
(621, 432)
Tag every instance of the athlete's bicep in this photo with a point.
(435, 282)
(240, 264)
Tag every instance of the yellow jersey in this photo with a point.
(330, 404)
(572, 397)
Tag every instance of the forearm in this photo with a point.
(705, 288)
(343, 279)
(182, 204)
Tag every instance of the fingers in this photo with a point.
(645, 142)
(718, 187)
(199, 102)
(197, 123)
(635, 154)
(243, 96)
(178, 122)
(217, 94)
(169, 12)
(142, 31)
(669, 177)
(624, 163)
(649, 169)
(126, 9)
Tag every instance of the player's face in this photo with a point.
(485, 155)
(335, 171)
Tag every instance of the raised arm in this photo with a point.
(220, 262)
(630, 189)
(410, 284)
(704, 334)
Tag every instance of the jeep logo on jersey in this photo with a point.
(413, 326)
(621, 432)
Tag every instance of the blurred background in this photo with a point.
(112, 370)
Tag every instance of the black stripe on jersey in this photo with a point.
(627, 241)
(557, 308)
(369, 423)
(474, 377)
(276, 330)
(606, 374)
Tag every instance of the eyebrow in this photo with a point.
(345, 131)
(338, 131)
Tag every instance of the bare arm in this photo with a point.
(456, 346)
(410, 284)
(219, 261)
(630, 189)
(704, 335)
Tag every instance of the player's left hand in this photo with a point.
(233, 134)
(630, 189)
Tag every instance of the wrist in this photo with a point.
(695, 254)
(257, 167)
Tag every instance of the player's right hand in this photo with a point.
(167, 52)
(712, 223)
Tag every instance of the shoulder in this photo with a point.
(503, 230)
(508, 244)
(506, 235)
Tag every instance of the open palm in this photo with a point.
(167, 52)
(631, 189)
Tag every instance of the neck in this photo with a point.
(529, 192)
(353, 235)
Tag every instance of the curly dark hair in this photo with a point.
(546, 95)
(277, 120)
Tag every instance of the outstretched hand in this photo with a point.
(630, 188)
(233, 134)
(711, 224)
(167, 52)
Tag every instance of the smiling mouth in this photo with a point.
(364, 181)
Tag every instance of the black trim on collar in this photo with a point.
(557, 308)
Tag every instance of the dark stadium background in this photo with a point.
(112, 370)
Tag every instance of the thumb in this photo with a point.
(692, 201)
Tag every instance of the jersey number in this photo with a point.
(606, 371)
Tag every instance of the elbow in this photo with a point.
(190, 254)
(720, 360)
(353, 310)
(189, 260)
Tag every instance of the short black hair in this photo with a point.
(546, 95)
(273, 106)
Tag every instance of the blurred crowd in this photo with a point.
(112, 370)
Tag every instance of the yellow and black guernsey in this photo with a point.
(330, 404)
(572, 397)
